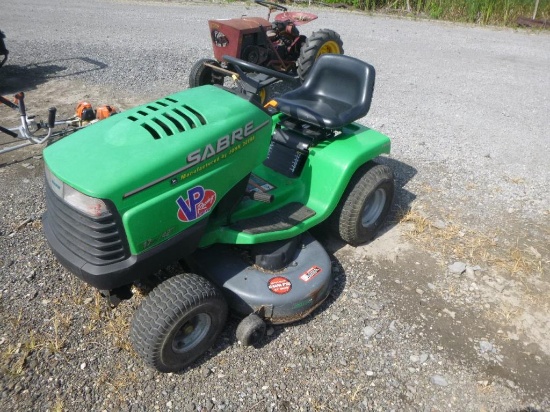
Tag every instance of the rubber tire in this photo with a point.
(201, 75)
(311, 48)
(346, 221)
(165, 310)
(251, 330)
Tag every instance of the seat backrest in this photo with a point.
(342, 78)
(337, 91)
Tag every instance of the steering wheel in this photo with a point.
(254, 78)
(271, 6)
(243, 67)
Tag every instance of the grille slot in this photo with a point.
(97, 241)
(178, 125)
(164, 127)
(199, 116)
(152, 131)
(176, 118)
(186, 117)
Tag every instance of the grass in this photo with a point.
(516, 260)
(114, 325)
(117, 378)
(117, 328)
(59, 405)
(13, 358)
(492, 12)
(473, 246)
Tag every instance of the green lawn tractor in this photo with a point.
(228, 188)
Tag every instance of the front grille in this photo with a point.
(97, 241)
(167, 117)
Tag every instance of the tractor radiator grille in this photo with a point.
(167, 117)
(97, 241)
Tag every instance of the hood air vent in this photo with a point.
(176, 119)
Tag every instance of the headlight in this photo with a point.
(90, 206)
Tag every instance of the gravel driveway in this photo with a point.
(447, 310)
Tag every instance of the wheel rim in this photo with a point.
(206, 77)
(191, 333)
(329, 47)
(373, 207)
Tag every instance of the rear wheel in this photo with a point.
(201, 75)
(365, 204)
(178, 321)
(319, 43)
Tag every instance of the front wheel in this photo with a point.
(365, 204)
(251, 330)
(178, 321)
(201, 74)
(319, 43)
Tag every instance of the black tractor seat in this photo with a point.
(337, 91)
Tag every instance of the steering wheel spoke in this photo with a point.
(243, 67)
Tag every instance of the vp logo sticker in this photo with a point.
(199, 201)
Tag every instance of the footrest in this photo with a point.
(280, 219)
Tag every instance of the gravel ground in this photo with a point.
(447, 310)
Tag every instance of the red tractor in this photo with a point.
(277, 45)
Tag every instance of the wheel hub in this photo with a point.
(191, 333)
(373, 207)
(329, 47)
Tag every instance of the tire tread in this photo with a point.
(308, 52)
(342, 222)
(168, 301)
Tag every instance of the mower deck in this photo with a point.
(281, 296)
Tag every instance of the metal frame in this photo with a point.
(31, 130)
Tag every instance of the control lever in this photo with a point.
(51, 117)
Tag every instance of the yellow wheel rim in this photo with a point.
(329, 47)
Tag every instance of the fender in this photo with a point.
(334, 162)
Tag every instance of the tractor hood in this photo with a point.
(142, 147)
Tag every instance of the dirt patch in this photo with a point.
(64, 95)
(493, 314)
